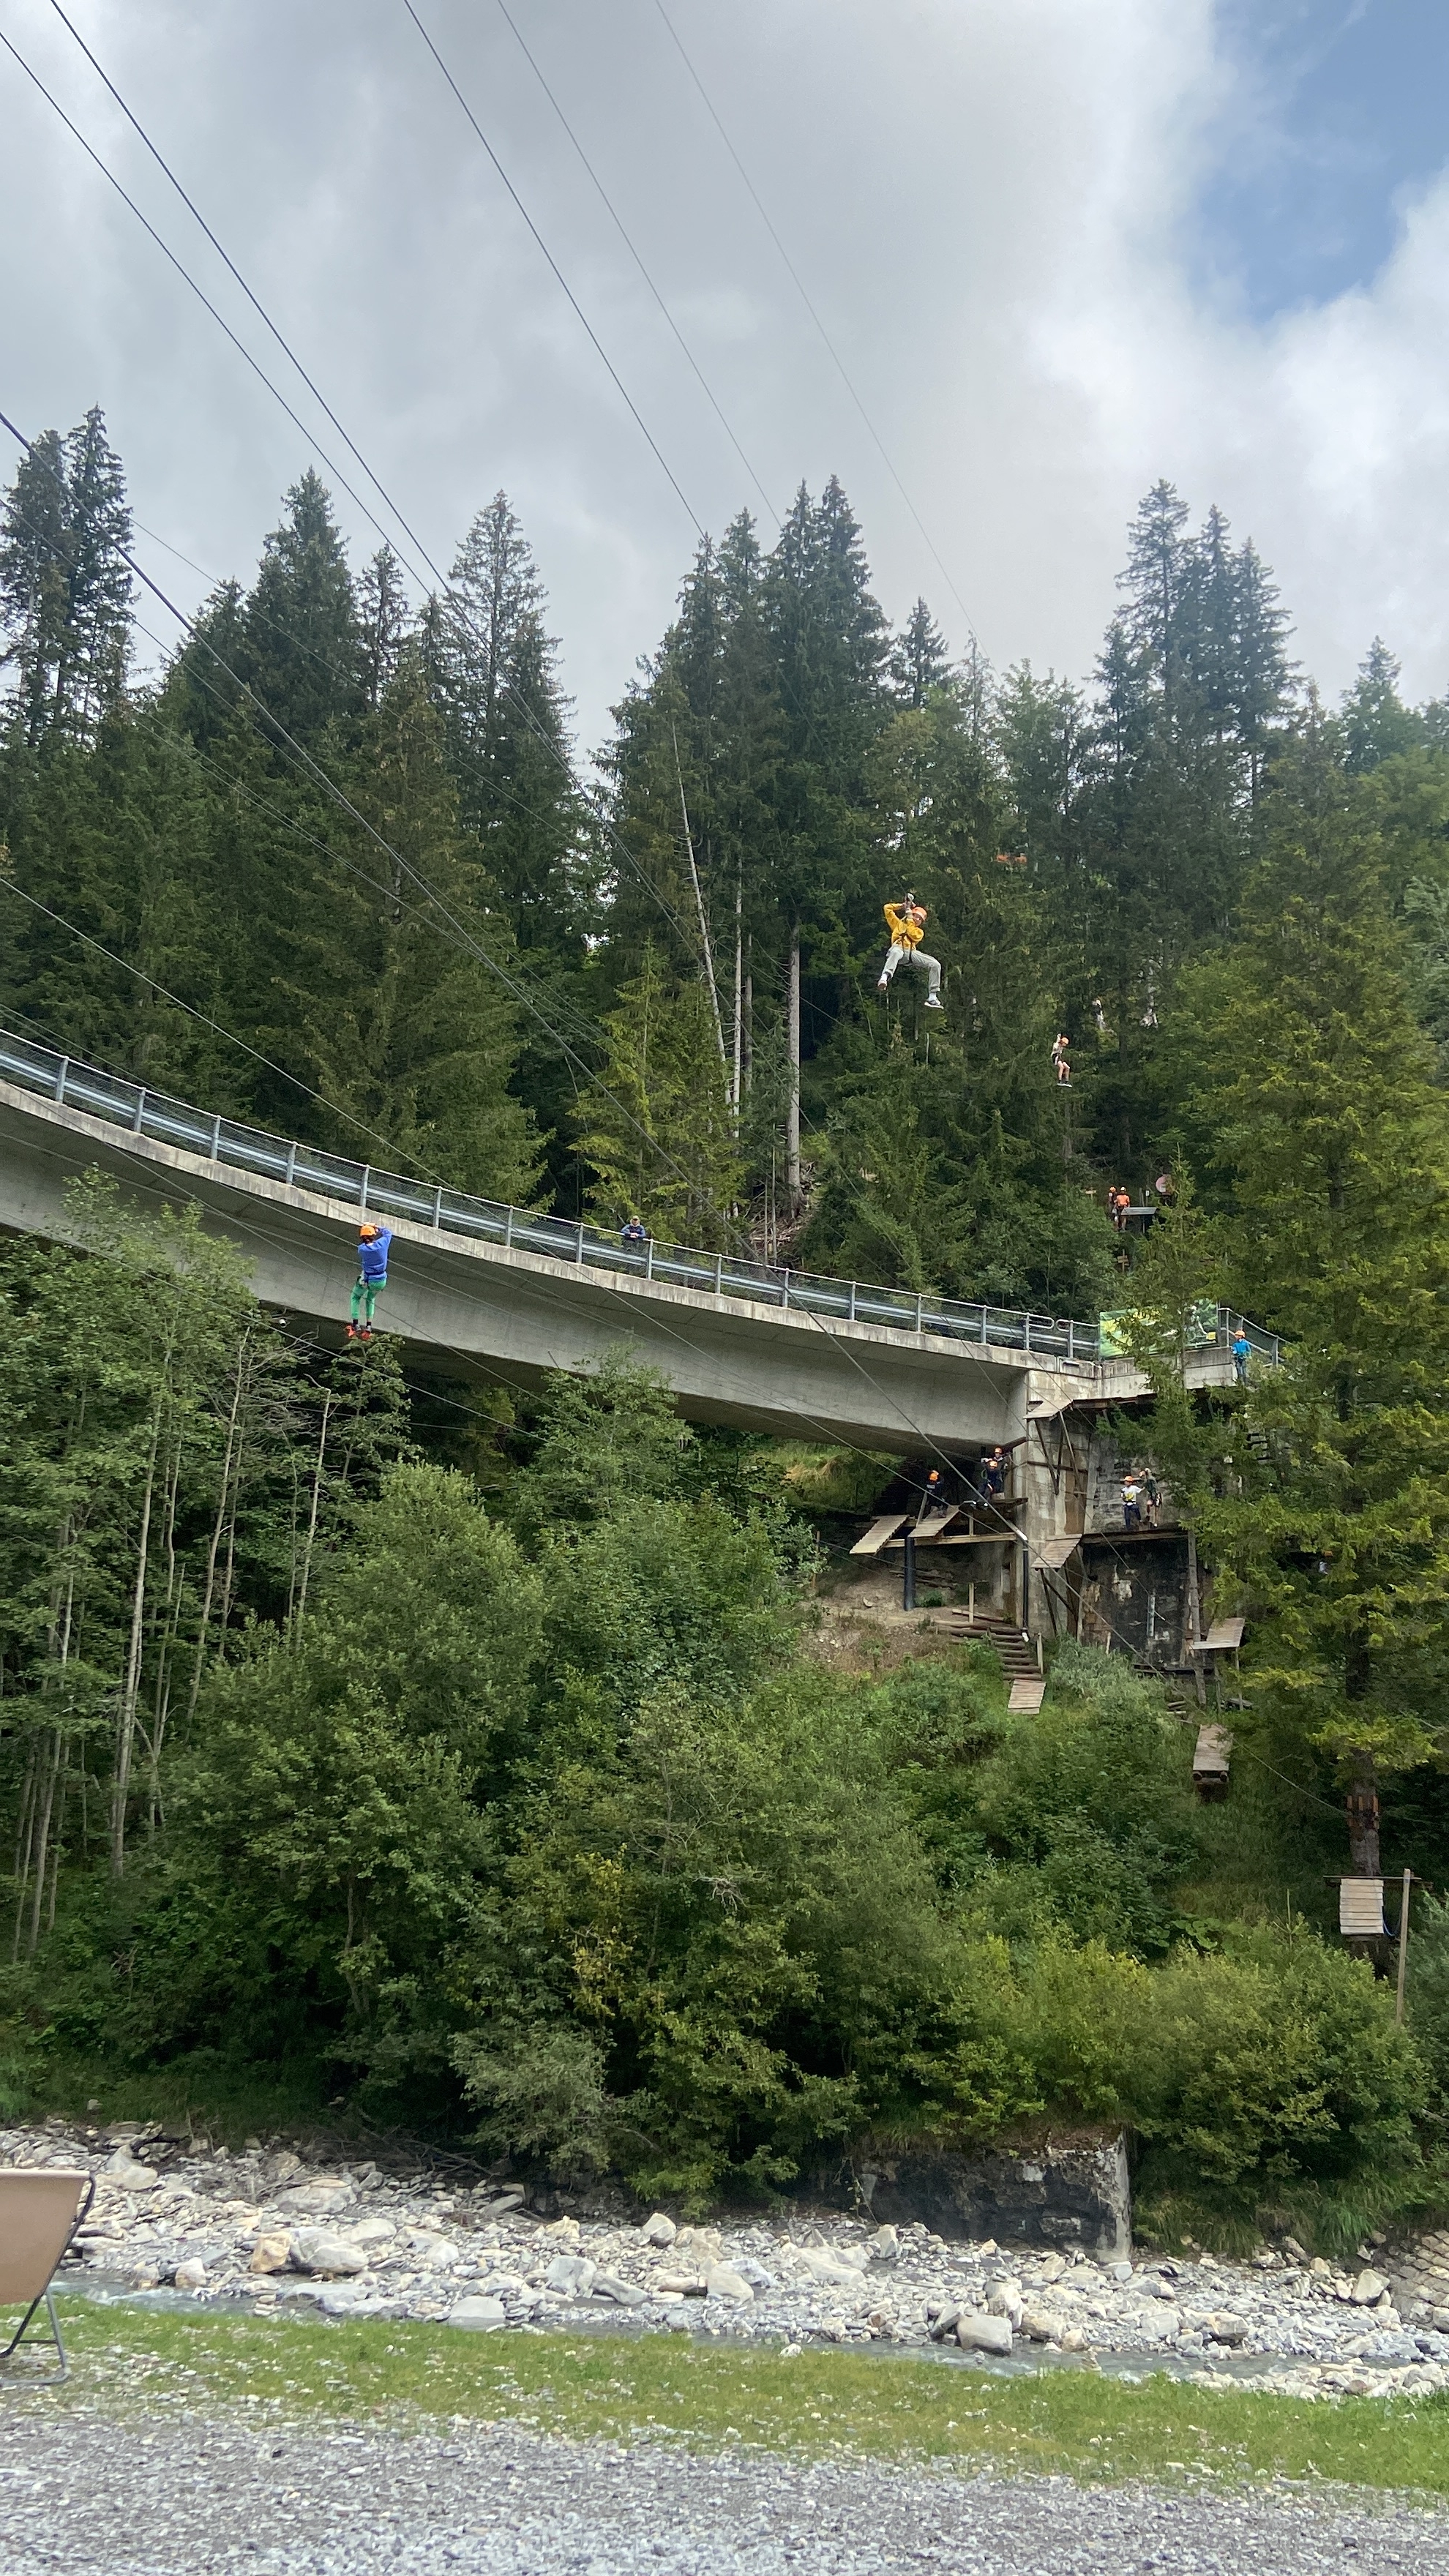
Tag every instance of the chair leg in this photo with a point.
(54, 2377)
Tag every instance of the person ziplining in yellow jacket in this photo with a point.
(906, 923)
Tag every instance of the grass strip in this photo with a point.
(713, 2397)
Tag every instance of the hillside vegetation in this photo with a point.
(464, 1760)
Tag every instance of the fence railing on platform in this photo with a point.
(141, 1111)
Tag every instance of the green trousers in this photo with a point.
(364, 1300)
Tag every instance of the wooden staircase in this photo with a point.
(1017, 1653)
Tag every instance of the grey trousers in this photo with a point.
(913, 957)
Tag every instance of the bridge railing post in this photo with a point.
(851, 1316)
(140, 1111)
(216, 1138)
(508, 1230)
(60, 1081)
(291, 1165)
(362, 1194)
(579, 1246)
(649, 1258)
(920, 1311)
(719, 1274)
(438, 1205)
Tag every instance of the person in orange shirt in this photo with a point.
(906, 923)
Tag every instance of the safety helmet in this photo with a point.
(367, 1232)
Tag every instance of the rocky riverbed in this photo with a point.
(278, 2228)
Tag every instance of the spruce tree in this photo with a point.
(1323, 1139)
(656, 1131)
(65, 591)
(304, 652)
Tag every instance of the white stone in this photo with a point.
(625, 2294)
(1368, 2289)
(723, 2282)
(983, 2334)
(885, 2245)
(478, 2313)
(1227, 2329)
(833, 2271)
(131, 2176)
(659, 2230)
(571, 2273)
(1040, 2326)
(190, 2275)
(321, 2251)
(371, 2231)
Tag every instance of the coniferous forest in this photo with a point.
(377, 1742)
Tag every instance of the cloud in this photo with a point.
(993, 203)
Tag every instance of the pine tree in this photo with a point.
(304, 654)
(1376, 723)
(919, 660)
(65, 591)
(382, 607)
(656, 1131)
(1324, 1140)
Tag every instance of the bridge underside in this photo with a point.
(511, 1317)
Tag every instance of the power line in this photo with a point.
(459, 608)
(312, 767)
(805, 298)
(638, 260)
(618, 381)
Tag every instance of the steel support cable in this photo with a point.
(445, 586)
(617, 380)
(373, 521)
(798, 282)
(313, 770)
(551, 1298)
(459, 608)
(637, 258)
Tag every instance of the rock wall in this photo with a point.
(1055, 2195)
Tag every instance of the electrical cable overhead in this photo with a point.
(618, 222)
(618, 381)
(311, 766)
(445, 587)
(805, 298)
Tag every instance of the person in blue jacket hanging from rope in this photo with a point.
(373, 1242)
(906, 923)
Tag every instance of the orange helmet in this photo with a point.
(368, 1231)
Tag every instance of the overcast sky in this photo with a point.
(1062, 247)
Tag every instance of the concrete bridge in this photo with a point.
(509, 1295)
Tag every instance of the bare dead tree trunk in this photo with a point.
(208, 1592)
(312, 1518)
(50, 1773)
(131, 1684)
(792, 1111)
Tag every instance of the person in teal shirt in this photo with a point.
(373, 1242)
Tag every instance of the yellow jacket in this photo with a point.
(905, 933)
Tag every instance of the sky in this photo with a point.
(1059, 248)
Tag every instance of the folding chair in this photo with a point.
(40, 2210)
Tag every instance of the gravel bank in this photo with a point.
(275, 2229)
(85, 2495)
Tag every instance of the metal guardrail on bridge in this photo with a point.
(155, 1114)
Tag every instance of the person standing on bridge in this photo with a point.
(373, 1243)
(906, 923)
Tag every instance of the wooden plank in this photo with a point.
(878, 1533)
(1210, 1754)
(1054, 1552)
(1361, 1908)
(1027, 1695)
(1223, 1638)
(931, 1523)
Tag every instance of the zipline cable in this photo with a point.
(458, 606)
(633, 408)
(391, 505)
(805, 298)
(637, 257)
